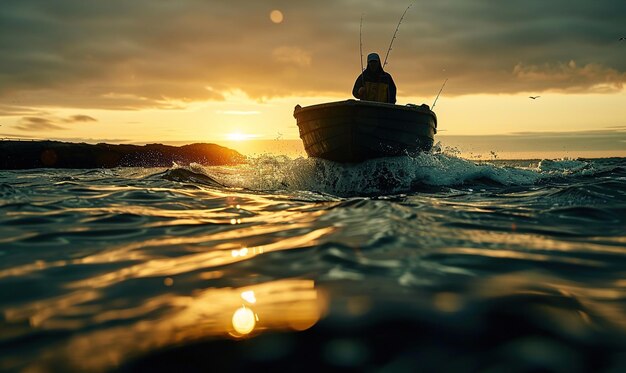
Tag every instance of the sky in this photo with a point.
(184, 71)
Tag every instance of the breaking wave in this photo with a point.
(424, 172)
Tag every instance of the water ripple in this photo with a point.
(484, 265)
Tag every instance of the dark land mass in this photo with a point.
(55, 154)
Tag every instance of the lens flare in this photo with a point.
(276, 16)
(244, 320)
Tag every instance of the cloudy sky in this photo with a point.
(208, 70)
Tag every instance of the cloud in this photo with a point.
(132, 55)
(12, 111)
(80, 118)
(37, 124)
(570, 77)
(48, 122)
(15, 136)
(292, 55)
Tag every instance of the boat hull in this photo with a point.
(354, 131)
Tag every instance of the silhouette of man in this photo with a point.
(375, 84)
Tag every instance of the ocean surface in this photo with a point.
(432, 263)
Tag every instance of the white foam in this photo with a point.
(562, 166)
(385, 175)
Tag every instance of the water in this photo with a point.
(404, 264)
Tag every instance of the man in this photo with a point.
(375, 84)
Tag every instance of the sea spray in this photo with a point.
(374, 177)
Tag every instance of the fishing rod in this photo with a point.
(436, 98)
(361, 49)
(394, 34)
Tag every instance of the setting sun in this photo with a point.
(237, 136)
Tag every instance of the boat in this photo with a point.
(354, 131)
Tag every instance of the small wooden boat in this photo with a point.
(354, 131)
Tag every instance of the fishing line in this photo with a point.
(441, 89)
(395, 33)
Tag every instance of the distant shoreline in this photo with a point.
(29, 154)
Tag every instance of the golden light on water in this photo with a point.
(222, 254)
(244, 320)
(287, 304)
(276, 16)
(290, 304)
(240, 253)
(248, 296)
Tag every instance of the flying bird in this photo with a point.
(534, 97)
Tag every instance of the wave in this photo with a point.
(425, 172)
(194, 174)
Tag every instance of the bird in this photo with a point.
(534, 97)
(279, 136)
(622, 39)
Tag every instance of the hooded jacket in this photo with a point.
(379, 86)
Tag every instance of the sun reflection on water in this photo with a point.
(290, 304)
(244, 320)
(287, 304)
(249, 296)
(241, 252)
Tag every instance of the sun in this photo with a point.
(238, 136)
